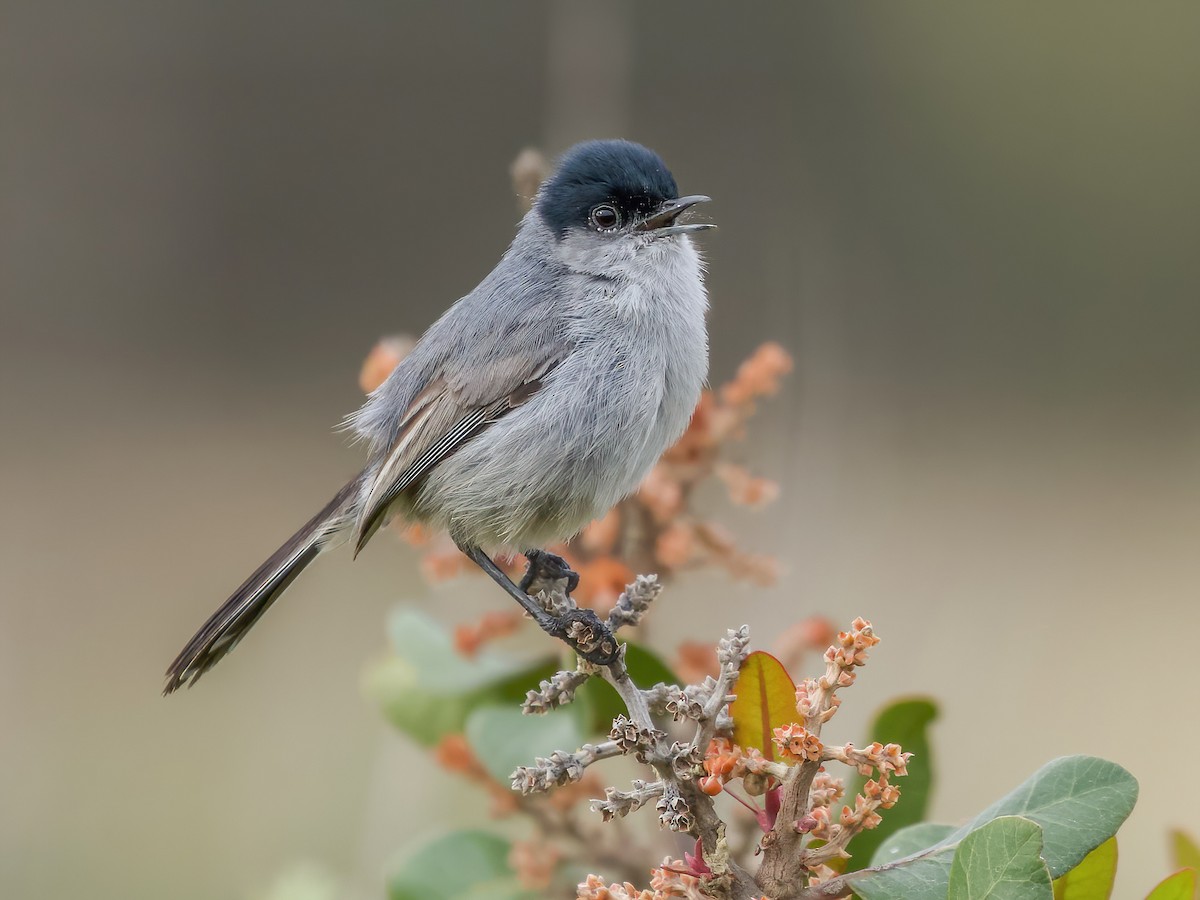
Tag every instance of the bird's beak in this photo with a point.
(662, 221)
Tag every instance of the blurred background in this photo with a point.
(974, 226)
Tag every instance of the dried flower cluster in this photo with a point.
(808, 834)
(726, 761)
(594, 888)
(805, 826)
(670, 881)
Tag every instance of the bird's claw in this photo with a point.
(543, 567)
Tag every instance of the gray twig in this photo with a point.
(681, 805)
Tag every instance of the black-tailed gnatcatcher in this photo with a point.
(535, 403)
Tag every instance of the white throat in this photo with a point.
(641, 274)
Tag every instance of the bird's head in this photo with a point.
(610, 199)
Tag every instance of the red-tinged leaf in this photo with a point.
(766, 700)
(695, 863)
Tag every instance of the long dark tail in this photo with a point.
(237, 615)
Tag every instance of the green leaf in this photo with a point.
(426, 645)
(503, 738)
(919, 878)
(903, 722)
(766, 700)
(1180, 886)
(1079, 802)
(1001, 861)
(1093, 878)
(601, 699)
(461, 865)
(1184, 852)
(427, 689)
(910, 840)
(646, 667)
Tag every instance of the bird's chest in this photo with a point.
(659, 341)
(649, 341)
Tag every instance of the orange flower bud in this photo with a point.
(382, 359)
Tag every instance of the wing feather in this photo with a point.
(425, 438)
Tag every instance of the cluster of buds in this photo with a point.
(584, 635)
(825, 825)
(720, 762)
(632, 739)
(595, 888)
(558, 690)
(877, 794)
(796, 742)
(815, 823)
(887, 758)
(673, 879)
(634, 601)
(687, 760)
(878, 789)
(621, 803)
(816, 701)
(554, 771)
(560, 768)
(826, 790)
(862, 816)
(683, 704)
(694, 700)
(815, 697)
(725, 761)
(732, 649)
(674, 812)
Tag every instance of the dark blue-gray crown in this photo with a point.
(626, 175)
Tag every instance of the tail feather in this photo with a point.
(224, 628)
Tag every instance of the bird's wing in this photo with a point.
(453, 408)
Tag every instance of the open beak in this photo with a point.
(662, 221)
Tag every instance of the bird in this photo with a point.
(534, 404)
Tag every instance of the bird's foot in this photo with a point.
(546, 568)
(580, 629)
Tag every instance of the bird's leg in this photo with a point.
(543, 566)
(581, 629)
(546, 621)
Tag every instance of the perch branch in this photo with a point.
(681, 805)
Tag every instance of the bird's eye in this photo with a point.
(605, 217)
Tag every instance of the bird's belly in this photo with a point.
(569, 455)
